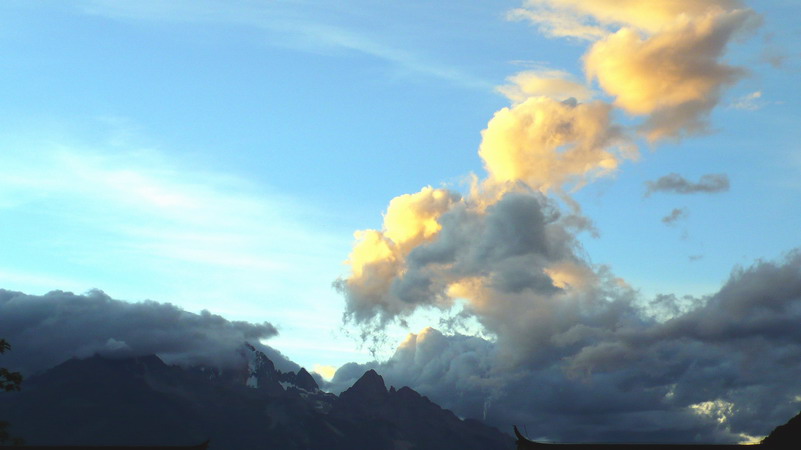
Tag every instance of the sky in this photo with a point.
(558, 189)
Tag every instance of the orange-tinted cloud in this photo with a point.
(546, 143)
(378, 257)
(674, 76)
(505, 249)
(660, 59)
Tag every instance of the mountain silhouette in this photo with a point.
(787, 435)
(143, 401)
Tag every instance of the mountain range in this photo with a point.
(143, 401)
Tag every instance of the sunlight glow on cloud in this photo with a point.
(520, 319)
(659, 59)
(720, 410)
(327, 372)
(546, 143)
(542, 144)
(511, 255)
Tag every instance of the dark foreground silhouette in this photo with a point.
(142, 403)
(202, 446)
(103, 403)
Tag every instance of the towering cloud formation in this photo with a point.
(505, 243)
(509, 251)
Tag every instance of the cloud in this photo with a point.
(674, 216)
(378, 257)
(775, 57)
(514, 261)
(46, 330)
(564, 340)
(505, 249)
(715, 369)
(661, 60)
(673, 76)
(196, 236)
(593, 20)
(676, 184)
(503, 244)
(547, 143)
(544, 83)
(299, 27)
(748, 102)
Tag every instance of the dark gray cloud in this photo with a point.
(49, 329)
(675, 215)
(518, 263)
(713, 369)
(509, 242)
(676, 184)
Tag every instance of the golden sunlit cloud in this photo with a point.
(675, 76)
(412, 218)
(547, 143)
(660, 59)
(378, 257)
(504, 248)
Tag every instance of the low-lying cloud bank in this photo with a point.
(722, 369)
(45, 330)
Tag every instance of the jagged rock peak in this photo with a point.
(258, 361)
(406, 391)
(370, 388)
(371, 380)
(304, 380)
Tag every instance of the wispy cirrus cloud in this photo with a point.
(300, 25)
(156, 225)
(749, 102)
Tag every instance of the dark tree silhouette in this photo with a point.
(9, 381)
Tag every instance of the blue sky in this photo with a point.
(220, 155)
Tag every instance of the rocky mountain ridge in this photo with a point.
(143, 401)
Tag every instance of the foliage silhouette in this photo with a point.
(9, 381)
